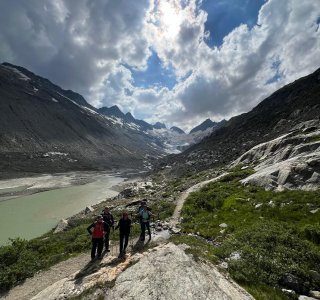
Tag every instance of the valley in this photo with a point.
(237, 201)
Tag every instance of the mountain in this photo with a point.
(112, 111)
(177, 129)
(204, 126)
(44, 128)
(295, 103)
(173, 140)
(159, 125)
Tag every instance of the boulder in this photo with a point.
(223, 225)
(88, 210)
(315, 275)
(294, 283)
(62, 226)
(314, 294)
(168, 273)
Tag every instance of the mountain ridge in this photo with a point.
(296, 102)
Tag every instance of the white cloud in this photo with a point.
(87, 45)
(233, 78)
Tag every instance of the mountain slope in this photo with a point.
(276, 115)
(44, 128)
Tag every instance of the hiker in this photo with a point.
(142, 203)
(145, 215)
(108, 219)
(96, 230)
(124, 225)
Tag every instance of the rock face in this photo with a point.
(291, 161)
(168, 273)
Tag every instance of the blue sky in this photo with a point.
(154, 57)
(223, 17)
(155, 75)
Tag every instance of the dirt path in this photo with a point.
(183, 196)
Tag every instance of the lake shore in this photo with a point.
(38, 203)
(11, 188)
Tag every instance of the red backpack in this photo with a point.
(97, 232)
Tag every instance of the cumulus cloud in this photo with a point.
(89, 45)
(249, 65)
(74, 43)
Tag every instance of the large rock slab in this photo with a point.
(291, 161)
(169, 273)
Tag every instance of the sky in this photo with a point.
(174, 61)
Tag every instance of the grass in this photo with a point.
(274, 233)
(199, 248)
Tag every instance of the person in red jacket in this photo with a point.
(97, 230)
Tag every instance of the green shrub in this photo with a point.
(312, 232)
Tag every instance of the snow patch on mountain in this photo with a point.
(19, 73)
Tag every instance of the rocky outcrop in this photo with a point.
(62, 225)
(164, 272)
(291, 161)
(168, 273)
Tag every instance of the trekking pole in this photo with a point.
(131, 241)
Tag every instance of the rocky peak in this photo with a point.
(159, 125)
(177, 130)
(129, 117)
(204, 126)
(112, 111)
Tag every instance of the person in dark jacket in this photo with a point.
(97, 230)
(108, 219)
(124, 225)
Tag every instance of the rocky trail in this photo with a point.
(160, 270)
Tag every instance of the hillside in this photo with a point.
(44, 128)
(274, 116)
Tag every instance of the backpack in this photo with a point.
(108, 219)
(97, 232)
(145, 215)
